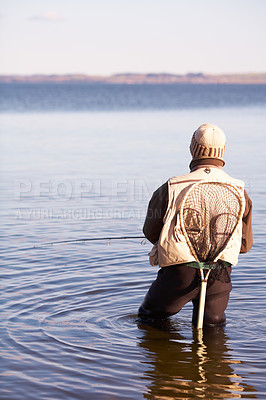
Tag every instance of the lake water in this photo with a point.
(82, 161)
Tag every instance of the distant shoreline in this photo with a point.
(134, 79)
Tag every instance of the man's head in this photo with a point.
(208, 141)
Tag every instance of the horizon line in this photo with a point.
(132, 73)
(131, 78)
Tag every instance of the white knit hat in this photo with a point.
(208, 141)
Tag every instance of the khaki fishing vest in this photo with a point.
(172, 246)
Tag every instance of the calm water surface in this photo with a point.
(68, 311)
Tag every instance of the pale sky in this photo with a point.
(102, 37)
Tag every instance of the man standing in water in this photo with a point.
(178, 281)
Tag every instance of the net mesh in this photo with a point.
(209, 214)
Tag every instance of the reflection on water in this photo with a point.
(178, 368)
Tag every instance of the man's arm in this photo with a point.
(247, 237)
(155, 213)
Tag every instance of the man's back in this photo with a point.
(179, 279)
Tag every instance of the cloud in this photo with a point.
(49, 16)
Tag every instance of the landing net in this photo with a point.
(209, 214)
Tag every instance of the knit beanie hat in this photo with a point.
(208, 141)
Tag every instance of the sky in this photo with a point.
(104, 37)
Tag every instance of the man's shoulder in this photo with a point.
(232, 180)
(180, 178)
(162, 191)
(186, 179)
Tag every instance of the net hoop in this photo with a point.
(237, 193)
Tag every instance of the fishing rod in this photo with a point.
(108, 240)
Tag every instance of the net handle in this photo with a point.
(203, 289)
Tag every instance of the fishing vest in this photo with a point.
(172, 246)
